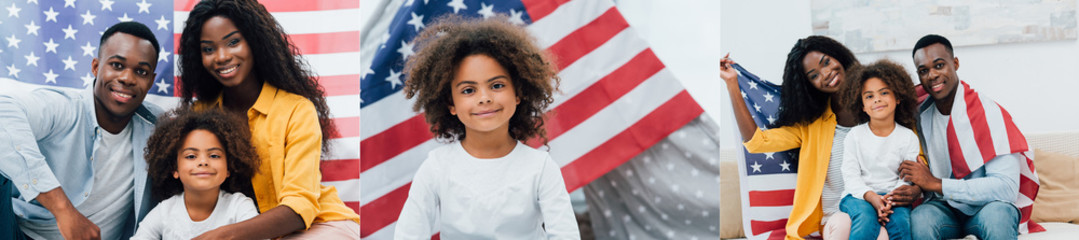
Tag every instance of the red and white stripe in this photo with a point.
(327, 34)
(982, 132)
(767, 200)
(617, 100)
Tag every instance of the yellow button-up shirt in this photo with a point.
(815, 141)
(288, 138)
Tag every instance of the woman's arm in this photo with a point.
(756, 140)
(276, 222)
(746, 125)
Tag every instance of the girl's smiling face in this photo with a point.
(201, 163)
(483, 95)
(878, 101)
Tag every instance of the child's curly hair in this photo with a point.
(898, 81)
(162, 149)
(445, 43)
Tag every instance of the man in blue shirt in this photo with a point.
(976, 156)
(72, 162)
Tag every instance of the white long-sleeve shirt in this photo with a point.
(517, 196)
(871, 162)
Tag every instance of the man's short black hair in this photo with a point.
(930, 40)
(135, 29)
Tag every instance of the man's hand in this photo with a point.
(920, 175)
(72, 224)
(904, 195)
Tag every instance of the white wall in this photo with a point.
(685, 35)
(1038, 83)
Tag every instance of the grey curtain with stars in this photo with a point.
(670, 191)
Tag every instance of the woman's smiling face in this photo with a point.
(824, 72)
(225, 53)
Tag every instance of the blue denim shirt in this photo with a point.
(47, 140)
(997, 180)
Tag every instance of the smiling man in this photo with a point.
(976, 155)
(72, 162)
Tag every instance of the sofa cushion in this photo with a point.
(1053, 230)
(1059, 193)
(730, 201)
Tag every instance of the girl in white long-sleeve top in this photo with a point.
(873, 150)
(483, 86)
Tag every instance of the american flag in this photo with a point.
(617, 98)
(767, 179)
(51, 43)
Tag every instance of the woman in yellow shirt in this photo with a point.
(222, 41)
(814, 72)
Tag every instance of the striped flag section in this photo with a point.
(617, 98)
(979, 130)
(767, 179)
(327, 35)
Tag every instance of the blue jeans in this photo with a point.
(9, 225)
(936, 220)
(863, 220)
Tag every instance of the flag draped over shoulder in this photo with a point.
(617, 99)
(979, 129)
(50, 43)
(767, 180)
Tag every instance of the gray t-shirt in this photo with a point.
(112, 198)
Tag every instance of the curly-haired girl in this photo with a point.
(201, 165)
(883, 94)
(235, 56)
(486, 85)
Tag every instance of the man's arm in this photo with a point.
(72, 224)
(1000, 183)
(24, 119)
(22, 161)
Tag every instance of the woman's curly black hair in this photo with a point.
(274, 56)
(898, 81)
(802, 103)
(163, 149)
(445, 43)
